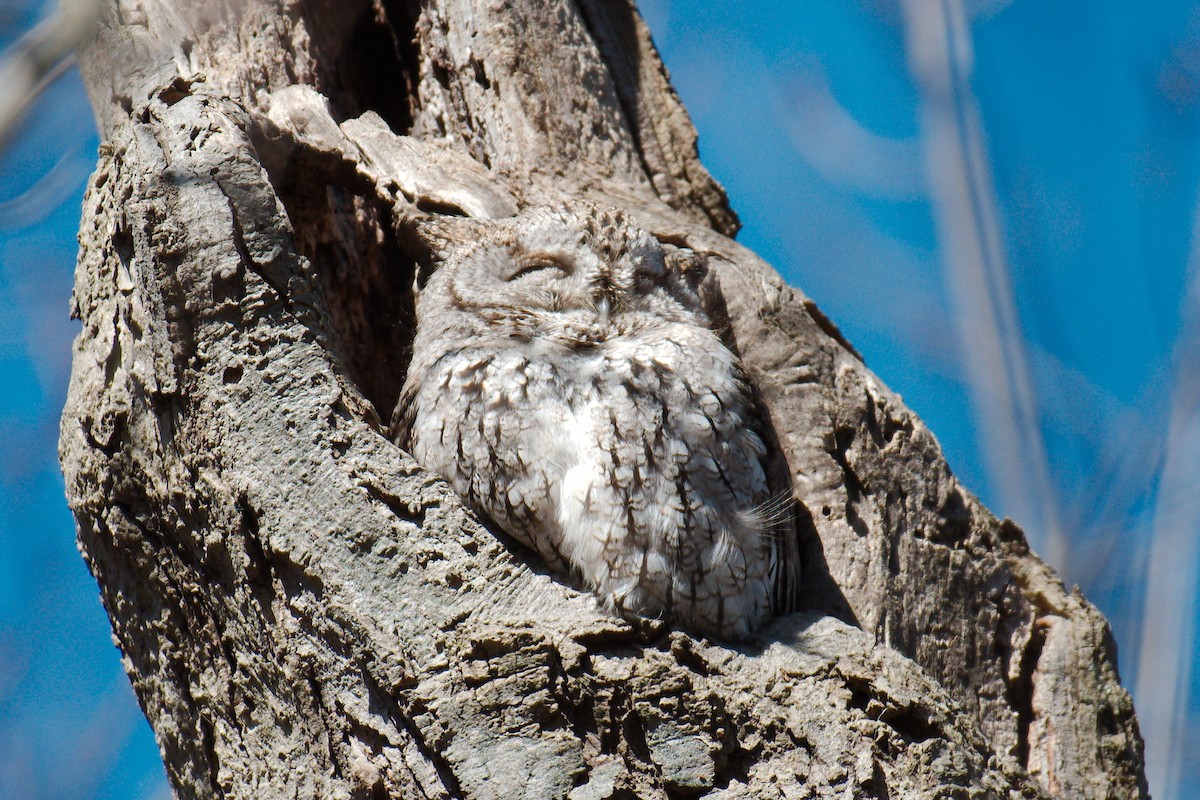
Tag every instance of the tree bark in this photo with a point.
(305, 612)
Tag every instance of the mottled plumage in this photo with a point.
(565, 380)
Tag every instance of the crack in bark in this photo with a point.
(1021, 689)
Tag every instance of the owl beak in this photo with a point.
(602, 308)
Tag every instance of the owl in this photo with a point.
(566, 381)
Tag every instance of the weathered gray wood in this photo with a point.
(305, 612)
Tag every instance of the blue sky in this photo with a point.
(811, 116)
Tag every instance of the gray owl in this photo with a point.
(566, 381)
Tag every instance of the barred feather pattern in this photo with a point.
(565, 380)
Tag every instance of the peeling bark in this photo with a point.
(305, 612)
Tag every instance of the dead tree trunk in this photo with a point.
(305, 612)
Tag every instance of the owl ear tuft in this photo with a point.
(436, 237)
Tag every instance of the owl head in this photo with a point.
(575, 276)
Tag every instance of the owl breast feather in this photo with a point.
(633, 464)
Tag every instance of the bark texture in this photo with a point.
(305, 612)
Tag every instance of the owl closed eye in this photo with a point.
(543, 266)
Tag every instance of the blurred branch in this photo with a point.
(994, 348)
(1169, 616)
(39, 57)
(837, 146)
(49, 191)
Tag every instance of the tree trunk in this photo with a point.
(305, 612)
